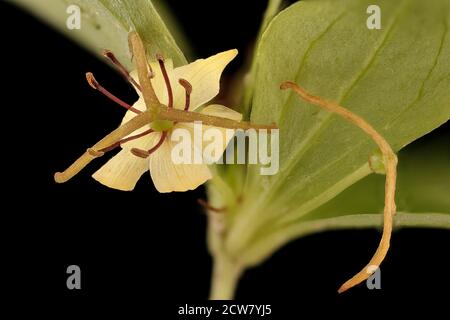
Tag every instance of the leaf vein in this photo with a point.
(425, 80)
(303, 62)
(304, 146)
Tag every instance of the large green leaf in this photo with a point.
(273, 7)
(423, 184)
(422, 199)
(106, 24)
(397, 78)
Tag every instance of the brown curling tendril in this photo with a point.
(390, 160)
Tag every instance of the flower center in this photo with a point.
(161, 125)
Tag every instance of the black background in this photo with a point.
(143, 245)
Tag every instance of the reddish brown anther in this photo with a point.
(145, 153)
(140, 153)
(108, 54)
(95, 153)
(209, 207)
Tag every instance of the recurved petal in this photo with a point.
(219, 110)
(124, 169)
(139, 105)
(213, 138)
(168, 176)
(204, 76)
(157, 81)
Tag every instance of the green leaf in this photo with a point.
(423, 184)
(273, 7)
(397, 78)
(422, 200)
(105, 24)
(271, 242)
(176, 30)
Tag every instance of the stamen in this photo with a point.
(144, 154)
(188, 88)
(118, 143)
(108, 54)
(95, 85)
(140, 153)
(166, 79)
(95, 153)
(209, 207)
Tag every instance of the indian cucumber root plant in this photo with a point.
(334, 99)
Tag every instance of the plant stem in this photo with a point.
(225, 277)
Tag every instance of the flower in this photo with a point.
(187, 87)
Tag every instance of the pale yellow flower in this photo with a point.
(124, 170)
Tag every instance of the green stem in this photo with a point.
(225, 277)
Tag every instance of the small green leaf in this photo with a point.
(105, 24)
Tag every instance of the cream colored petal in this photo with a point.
(139, 105)
(124, 169)
(159, 84)
(157, 81)
(223, 112)
(137, 143)
(160, 88)
(146, 142)
(168, 176)
(122, 172)
(218, 111)
(204, 76)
